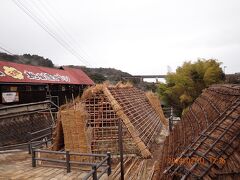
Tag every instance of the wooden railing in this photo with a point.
(35, 139)
(105, 162)
(44, 137)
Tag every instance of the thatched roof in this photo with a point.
(134, 109)
(205, 144)
(142, 119)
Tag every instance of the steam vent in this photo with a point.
(90, 124)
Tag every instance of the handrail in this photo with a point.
(54, 104)
(44, 136)
(104, 171)
(17, 146)
(82, 163)
(49, 151)
(103, 161)
(42, 142)
(50, 160)
(35, 132)
(27, 104)
(89, 174)
(86, 154)
(93, 172)
(21, 114)
(27, 109)
(68, 162)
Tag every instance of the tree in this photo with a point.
(186, 84)
(98, 78)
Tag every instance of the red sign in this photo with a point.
(13, 72)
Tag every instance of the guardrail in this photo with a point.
(25, 109)
(105, 162)
(41, 139)
(36, 141)
(21, 146)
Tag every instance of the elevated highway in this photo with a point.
(142, 77)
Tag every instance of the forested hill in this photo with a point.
(103, 74)
(27, 59)
(98, 75)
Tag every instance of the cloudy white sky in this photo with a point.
(136, 36)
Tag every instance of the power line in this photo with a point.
(51, 32)
(63, 41)
(7, 51)
(54, 35)
(53, 20)
(49, 8)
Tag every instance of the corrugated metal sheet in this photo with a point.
(21, 73)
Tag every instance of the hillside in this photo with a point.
(27, 59)
(100, 75)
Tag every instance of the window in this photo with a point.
(13, 88)
(28, 88)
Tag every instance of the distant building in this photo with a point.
(21, 83)
(233, 78)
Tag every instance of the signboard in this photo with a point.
(8, 97)
(13, 72)
(16, 74)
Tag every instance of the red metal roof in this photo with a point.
(21, 73)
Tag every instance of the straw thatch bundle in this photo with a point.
(58, 136)
(156, 104)
(71, 126)
(74, 129)
(91, 91)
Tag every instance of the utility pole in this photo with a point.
(224, 67)
(171, 120)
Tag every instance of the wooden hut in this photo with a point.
(21, 83)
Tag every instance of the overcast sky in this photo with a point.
(136, 36)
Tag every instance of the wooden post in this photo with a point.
(33, 157)
(171, 120)
(51, 134)
(68, 162)
(109, 163)
(46, 141)
(94, 175)
(29, 143)
(120, 145)
(29, 147)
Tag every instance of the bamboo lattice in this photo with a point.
(210, 129)
(107, 105)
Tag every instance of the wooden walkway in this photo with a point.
(16, 166)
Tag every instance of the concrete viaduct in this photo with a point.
(141, 77)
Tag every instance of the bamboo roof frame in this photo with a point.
(142, 147)
(141, 139)
(209, 128)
